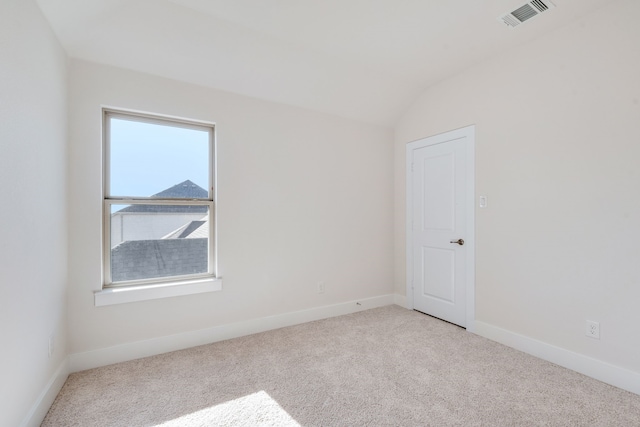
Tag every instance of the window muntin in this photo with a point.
(159, 216)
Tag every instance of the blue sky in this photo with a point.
(148, 158)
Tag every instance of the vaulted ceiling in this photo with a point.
(361, 59)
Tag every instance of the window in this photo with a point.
(159, 212)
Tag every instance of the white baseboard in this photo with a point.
(136, 350)
(47, 396)
(594, 368)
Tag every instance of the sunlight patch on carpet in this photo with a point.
(257, 409)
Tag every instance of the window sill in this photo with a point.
(111, 296)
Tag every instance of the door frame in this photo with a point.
(468, 134)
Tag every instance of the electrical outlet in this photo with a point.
(593, 329)
(51, 345)
(321, 287)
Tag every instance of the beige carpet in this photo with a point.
(381, 367)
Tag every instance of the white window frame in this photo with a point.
(142, 289)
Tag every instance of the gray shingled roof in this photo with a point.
(184, 190)
(190, 230)
(146, 259)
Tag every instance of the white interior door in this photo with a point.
(440, 226)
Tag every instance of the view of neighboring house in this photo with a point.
(150, 241)
(143, 222)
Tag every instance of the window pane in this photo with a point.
(148, 159)
(156, 240)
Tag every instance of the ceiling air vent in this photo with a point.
(525, 12)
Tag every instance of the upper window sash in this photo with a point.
(134, 117)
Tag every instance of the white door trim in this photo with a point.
(468, 133)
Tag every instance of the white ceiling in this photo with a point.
(361, 59)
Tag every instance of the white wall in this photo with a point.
(302, 197)
(558, 147)
(33, 252)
